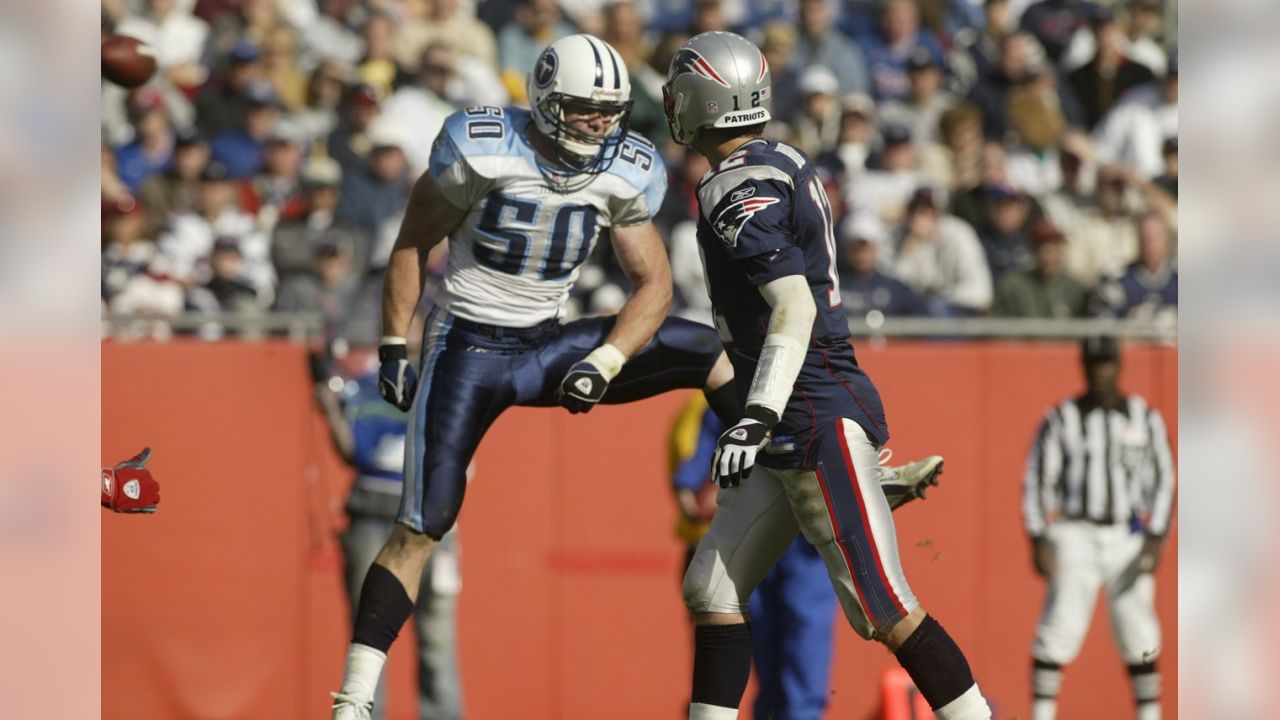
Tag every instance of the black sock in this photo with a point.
(725, 404)
(721, 663)
(935, 663)
(1145, 678)
(384, 606)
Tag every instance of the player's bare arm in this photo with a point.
(428, 219)
(643, 258)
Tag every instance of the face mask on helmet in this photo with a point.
(580, 95)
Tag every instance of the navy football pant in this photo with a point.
(471, 372)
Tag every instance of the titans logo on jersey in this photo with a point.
(764, 216)
(517, 252)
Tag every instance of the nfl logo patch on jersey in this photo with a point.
(713, 106)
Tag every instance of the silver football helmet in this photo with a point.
(587, 72)
(716, 80)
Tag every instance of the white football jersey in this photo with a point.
(517, 253)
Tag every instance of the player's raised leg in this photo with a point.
(842, 511)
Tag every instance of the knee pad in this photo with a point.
(706, 586)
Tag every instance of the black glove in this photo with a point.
(397, 380)
(582, 387)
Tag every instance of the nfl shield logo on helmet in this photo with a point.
(713, 106)
(545, 72)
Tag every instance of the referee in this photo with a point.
(1097, 498)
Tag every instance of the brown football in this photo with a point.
(127, 61)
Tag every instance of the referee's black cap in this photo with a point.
(1099, 348)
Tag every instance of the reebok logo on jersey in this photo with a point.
(742, 194)
(730, 220)
(583, 385)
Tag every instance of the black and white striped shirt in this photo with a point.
(1101, 466)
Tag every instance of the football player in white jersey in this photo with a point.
(523, 197)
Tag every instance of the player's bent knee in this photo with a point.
(707, 588)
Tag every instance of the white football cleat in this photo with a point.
(908, 482)
(348, 707)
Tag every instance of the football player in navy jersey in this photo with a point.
(813, 420)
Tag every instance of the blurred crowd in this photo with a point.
(984, 157)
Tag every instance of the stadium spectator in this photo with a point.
(227, 290)
(188, 242)
(1014, 64)
(377, 66)
(349, 142)
(275, 195)
(853, 143)
(885, 188)
(820, 43)
(177, 37)
(1142, 33)
(1046, 290)
(921, 109)
(1075, 193)
(127, 247)
(327, 290)
(422, 106)
(374, 197)
(331, 35)
(537, 24)
(863, 288)
(977, 52)
(241, 150)
(175, 190)
(1148, 288)
(1103, 239)
(433, 22)
(319, 116)
(221, 104)
(151, 151)
(1134, 131)
(280, 66)
(961, 130)
(815, 127)
(294, 244)
(1037, 123)
(778, 44)
(708, 16)
(1005, 230)
(247, 21)
(970, 203)
(1055, 22)
(939, 256)
(624, 30)
(888, 49)
(1099, 83)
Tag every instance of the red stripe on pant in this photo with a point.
(862, 512)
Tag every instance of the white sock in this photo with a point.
(1044, 709)
(699, 711)
(969, 706)
(1149, 711)
(364, 666)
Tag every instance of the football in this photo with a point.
(127, 61)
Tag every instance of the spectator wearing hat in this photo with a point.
(127, 247)
(537, 24)
(275, 194)
(970, 203)
(349, 142)
(227, 290)
(222, 103)
(422, 105)
(374, 197)
(176, 189)
(1099, 83)
(863, 288)
(241, 150)
(816, 123)
(151, 151)
(820, 43)
(1055, 22)
(891, 178)
(1103, 240)
(294, 243)
(1005, 230)
(922, 108)
(188, 242)
(1134, 132)
(1148, 288)
(1046, 290)
(939, 256)
(328, 289)
(431, 22)
(891, 45)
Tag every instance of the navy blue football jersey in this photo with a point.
(765, 215)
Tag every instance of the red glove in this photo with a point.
(129, 487)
